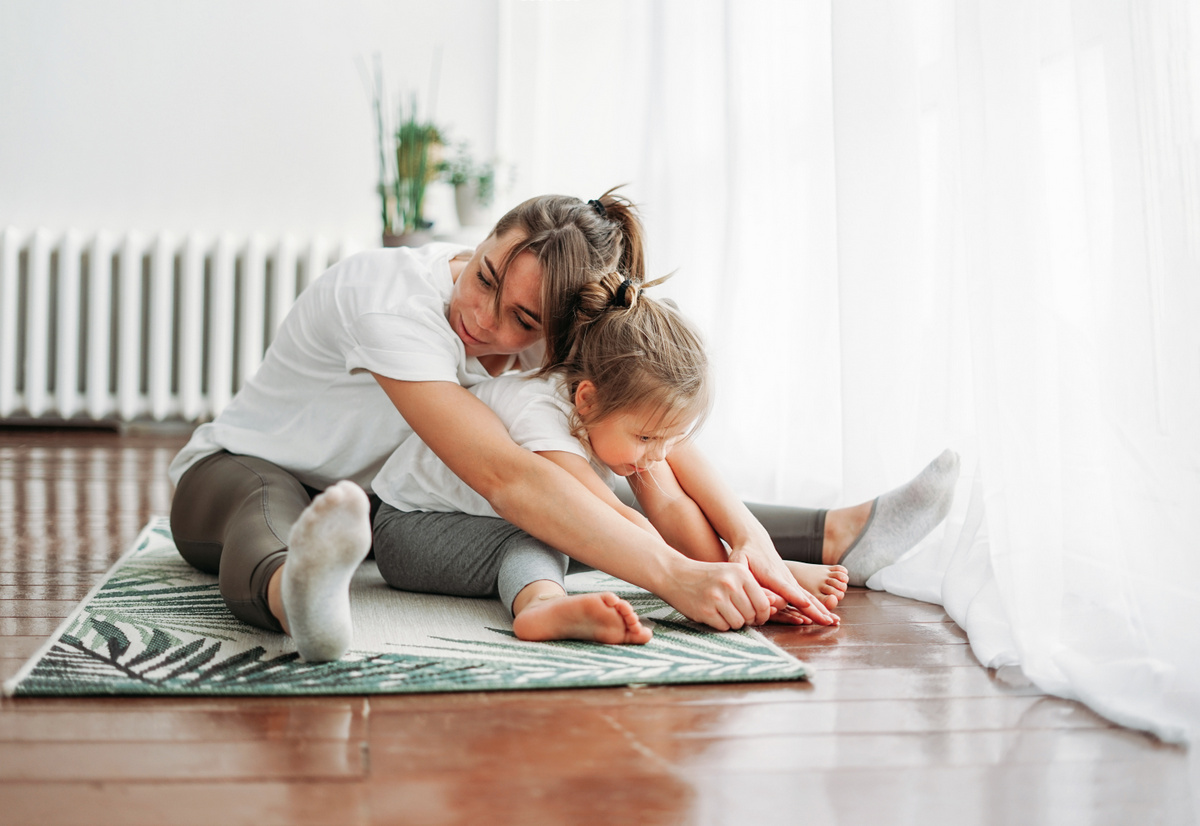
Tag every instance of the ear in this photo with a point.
(585, 398)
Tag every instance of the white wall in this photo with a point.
(224, 115)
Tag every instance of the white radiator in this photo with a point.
(141, 328)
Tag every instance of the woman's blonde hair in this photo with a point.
(638, 352)
(576, 243)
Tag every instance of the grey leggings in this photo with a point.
(461, 555)
(484, 556)
(231, 516)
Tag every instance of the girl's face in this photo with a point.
(473, 316)
(630, 441)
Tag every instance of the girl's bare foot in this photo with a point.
(602, 617)
(827, 582)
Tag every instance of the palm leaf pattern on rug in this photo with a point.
(157, 626)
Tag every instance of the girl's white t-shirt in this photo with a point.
(536, 413)
(313, 407)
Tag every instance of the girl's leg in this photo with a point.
(231, 516)
(798, 533)
(478, 556)
(801, 536)
(456, 554)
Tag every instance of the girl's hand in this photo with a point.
(790, 616)
(750, 544)
(722, 595)
(764, 563)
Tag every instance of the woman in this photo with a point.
(386, 343)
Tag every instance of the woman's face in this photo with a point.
(473, 316)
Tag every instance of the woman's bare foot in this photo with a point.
(827, 582)
(602, 617)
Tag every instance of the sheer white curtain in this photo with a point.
(907, 225)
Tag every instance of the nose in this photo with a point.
(656, 452)
(485, 317)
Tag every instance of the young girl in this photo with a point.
(633, 386)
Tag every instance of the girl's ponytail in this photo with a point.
(636, 350)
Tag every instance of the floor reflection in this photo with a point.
(77, 507)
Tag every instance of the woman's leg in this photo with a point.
(231, 516)
(867, 537)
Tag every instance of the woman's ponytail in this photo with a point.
(622, 212)
(577, 243)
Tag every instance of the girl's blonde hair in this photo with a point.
(576, 243)
(638, 352)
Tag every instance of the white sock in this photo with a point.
(901, 518)
(325, 548)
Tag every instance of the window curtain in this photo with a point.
(911, 225)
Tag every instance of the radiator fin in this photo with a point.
(141, 328)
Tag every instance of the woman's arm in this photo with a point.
(543, 499)
(676, 515)
(749, 542)
(579, 467)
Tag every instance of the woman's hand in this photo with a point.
(764, 562)
(723, 595)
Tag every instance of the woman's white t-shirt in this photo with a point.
(312, 408)
(536, 413)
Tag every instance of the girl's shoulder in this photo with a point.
(517, 388)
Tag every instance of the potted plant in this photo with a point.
(474, 186)
(409, 159)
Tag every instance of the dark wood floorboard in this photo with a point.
(899, 723)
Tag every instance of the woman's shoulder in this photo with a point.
(418, 262)
(384, 276)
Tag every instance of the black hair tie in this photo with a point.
(621, 290)
(599, 207)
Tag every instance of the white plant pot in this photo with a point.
(471, 213)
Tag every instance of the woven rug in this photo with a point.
(157, 626)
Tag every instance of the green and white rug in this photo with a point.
(155, 625)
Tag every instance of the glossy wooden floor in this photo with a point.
(898, 725)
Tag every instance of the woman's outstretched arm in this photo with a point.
(749, 542)
(536, 495)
